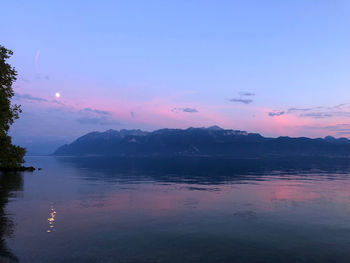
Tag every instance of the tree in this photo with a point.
(11, 156)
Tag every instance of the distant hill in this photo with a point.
(212, 141)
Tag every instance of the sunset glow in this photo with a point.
(153, 71)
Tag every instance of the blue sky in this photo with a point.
(274, 67)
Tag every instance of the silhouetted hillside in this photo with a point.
(212, 141)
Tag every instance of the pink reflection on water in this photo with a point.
(167, 200)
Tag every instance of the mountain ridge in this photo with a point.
(211, 141)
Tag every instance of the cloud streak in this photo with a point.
(101, 112)
(243, 97)
(37, 57)
(190, 110)
(341, 128)
(244, 101)
(187, 110)
(320, 112)
(29, 97)
(248, 94)
(98, 121)
(276, 113)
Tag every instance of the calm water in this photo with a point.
(183, 210)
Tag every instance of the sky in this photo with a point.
(279, 68)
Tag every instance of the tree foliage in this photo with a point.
(11, 156)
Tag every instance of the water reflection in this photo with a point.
(209, 171)
(10, 183)
(51, 219)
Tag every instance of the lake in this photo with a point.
(98, 209)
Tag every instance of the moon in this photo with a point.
(57, 95)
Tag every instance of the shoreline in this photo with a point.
(18, 169)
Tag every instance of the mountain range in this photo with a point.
(212, 141)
